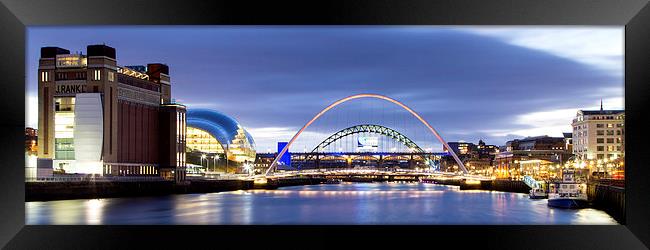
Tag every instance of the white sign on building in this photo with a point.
(367, 144)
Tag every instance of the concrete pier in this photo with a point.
(493, 185)
(45, 191)
(285, 182)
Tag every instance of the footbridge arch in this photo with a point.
(358, 96)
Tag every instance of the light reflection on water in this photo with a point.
(347, 203)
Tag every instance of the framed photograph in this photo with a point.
(516, 124)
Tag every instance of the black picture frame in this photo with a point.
(15, 15)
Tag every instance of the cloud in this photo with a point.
(470, 83)
(199, 104)
(267, 138)
(271, 132)
(602, 47)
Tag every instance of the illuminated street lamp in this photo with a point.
(214, 162)
(203, 156)
(249, 168)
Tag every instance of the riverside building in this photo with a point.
(599, 134)
(95, 117)
(214, 134)
(538, 156)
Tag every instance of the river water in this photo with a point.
(346, 203)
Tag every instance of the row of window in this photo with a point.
(609, 140)
(609, 132)
(602, 156)
(600, 125)
(97, 76)
(609, 125)
(609, 148)
(620, 117)
(70, 76)
(181, 131)
(130, 170)
(601, 132)
(599, 140)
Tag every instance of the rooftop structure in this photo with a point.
(210, 131)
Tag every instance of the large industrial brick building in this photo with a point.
(96, 117)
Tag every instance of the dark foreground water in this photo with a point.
(347, 203)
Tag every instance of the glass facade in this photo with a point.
(213, 132)
(240, 149)
(200, 140)
(64, 149)
(64, 128)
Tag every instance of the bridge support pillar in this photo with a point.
(380, 162)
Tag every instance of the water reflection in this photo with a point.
(347, 203)
(94, 211)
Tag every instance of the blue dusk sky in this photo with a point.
(493, 83)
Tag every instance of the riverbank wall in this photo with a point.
(285, 182)
(608, 198)
(46, 191)
(489, 185)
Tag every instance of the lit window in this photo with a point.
(97, 75)
(45, 76)
(111, 76)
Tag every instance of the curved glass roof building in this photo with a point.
(210, 131)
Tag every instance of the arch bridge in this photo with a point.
(274, 164)
(414, 149)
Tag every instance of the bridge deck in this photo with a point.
(333, 173)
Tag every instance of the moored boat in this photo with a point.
(538, 193)
(568, 193)
(333, 181)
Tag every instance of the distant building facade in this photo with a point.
(536, 143)
(477, 158)
(599, 134)
(531, 156)
(96, 117)
(486, 151)
(461, 148)
(568, 141)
